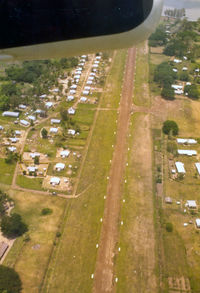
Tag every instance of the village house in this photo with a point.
(55, 181)
(59, 167)
(10, 114)
(180, 167)
(65, 153)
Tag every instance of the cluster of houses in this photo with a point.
(180, 168)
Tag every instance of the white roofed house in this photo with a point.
(191, 204)
(197, 223)
(71, 131)
(14, 139)
(12, 149)
(72, 92)
(55, 121)
(177, 60)
(53, 130)
(71, 111)
(32, 169)
(48, 105)
(65, 153)
(198, 167)
(24, 122)
(43, 96)
(22, 107)
(89, 82)
(180, 167)
(10, 114)
(184, 68)
(83, 99)
(186, 141)
(177, 87)
(55, 181)
(1, 127)
(70, 98)
(187, 152)
(73, 87)
(18, 132)
(175, 70)
(86, 93)
(59, 167)
(31, 117)
(33, 155)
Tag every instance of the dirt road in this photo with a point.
(103, 278)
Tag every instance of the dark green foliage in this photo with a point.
(184, 76)
(4, 103)
(44, 133)
(9, 280)
(36, 160)
(169, 227)
(46, 211)
(158, 38)
(12, 226)
(170, 127)
(11, 158)
(164, 74)
(176, 47)
(167, 92)
(192, 91)
(64, 114)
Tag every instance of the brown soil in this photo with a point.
(103, 281)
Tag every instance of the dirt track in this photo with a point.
(103, 279)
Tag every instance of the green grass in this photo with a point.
(111, 98)
(31, 263)
(29, 183)
(83, 116)
(6, 172)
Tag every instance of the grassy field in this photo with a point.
(112, 97)
(74, 261)
(30, 258)
(141, 88)
(29, 183)
(7, 171)
(135, 263)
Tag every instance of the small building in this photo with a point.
(65, 153)
(92, 74)
(177, 60)
(95, 65)
(34, 155)
(59, 167)
(55, 121)
(188, 83)
(32, 169)
(86, 93)
(197, 70)
(91, 78)
(22, 107)
(72, 92)
(175, 70)
(185, 58)
(83, 99)
(87, 88)
(55, 181)
(1, 127)
(70, 98)
(186, 141)
(71, 111)
(53, 130)
(168, 200)
(3, 247)
(56, 90)
(73, 87)
(24, 122)
(31, 117)
(43, 96)
(177, 87)
(198, 167)
(184, 68)
(89, 82)
(98, 57)
(191, 204)
(71, 131)
(178, 92)
(197, 223)
(48, 105)
(10, 114)
(12, 149)
(14, 139)
(187, 152)
(180, 167)
(77, 76)
(18, 132)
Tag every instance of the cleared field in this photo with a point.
(72, 264)
(135, 263)
(30, 258)
(141, 88)
(158, 58)
(29, 183)
(112, 97)
(6, 172)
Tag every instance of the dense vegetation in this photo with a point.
(170, 127)
(9, 280)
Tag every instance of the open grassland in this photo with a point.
(29, 183)
(6, 172)
(135, 263)
(30, 258)
(112, 97)
(141, 88)
(73, 261)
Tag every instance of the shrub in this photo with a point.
(169, 227)
(46, 211)
(9, 280)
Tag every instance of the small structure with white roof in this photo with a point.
(71, 131)
(32, 169)
(191, 204)
(184, 68)
(83, 99)
(187, 152)
(14, 139)
(71, 111)
(24, 122)
(59, 167)
(198, 167)
(197, 223)
(180, 167)
(55, 121)
(70, 98)
(65, 153)
(31, 117)
(10, 114)
(34, 155)
(177, 87)
(186, 141)
(53, 130)
(72, 92)
(18, 132)
(43, 96)
(55, 181)
(22, 107)
(48, 105)
(12, 149)
(177, 60)
(1, 127)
